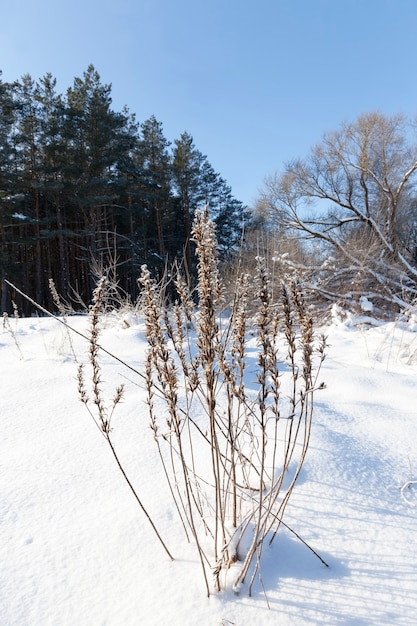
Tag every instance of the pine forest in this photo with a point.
(84, 188)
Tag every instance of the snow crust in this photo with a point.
(76, 549)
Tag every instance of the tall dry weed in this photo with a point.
(100, 410)
(226, 443)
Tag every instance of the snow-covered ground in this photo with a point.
(76, 549)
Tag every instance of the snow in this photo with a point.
(77, 550)
(365, 304)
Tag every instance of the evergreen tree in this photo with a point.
(96, 146)
(53, 153)
(232, 218)
(198, 184)
(27, 162)
(186, 169)
(8, 189)
(154, 163)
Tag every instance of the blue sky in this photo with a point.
(256, 83)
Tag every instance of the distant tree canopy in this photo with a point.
(83, 186)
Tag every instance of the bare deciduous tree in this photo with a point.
(355, 196)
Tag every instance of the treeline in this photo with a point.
(84, 187)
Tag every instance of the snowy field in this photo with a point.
(76, 549)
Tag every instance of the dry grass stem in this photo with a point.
(96, 406)
(7, 326)
(63, 312)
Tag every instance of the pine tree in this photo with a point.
(53, 154)
(232, 218)
(97, 144)
(27, 165)
(197, 184)
(187, 181)
(8, 190)
(156, 198)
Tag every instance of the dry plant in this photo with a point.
(7, 326)
(63, 310)
(232, 442)
(100, 411)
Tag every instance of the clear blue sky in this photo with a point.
(255, 82)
